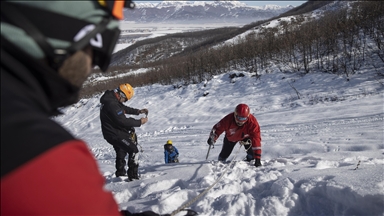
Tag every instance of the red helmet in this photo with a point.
(242, 113)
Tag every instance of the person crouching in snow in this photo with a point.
(239, 126)
(171, 153)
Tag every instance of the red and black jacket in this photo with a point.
(234, 133)
(44, 169)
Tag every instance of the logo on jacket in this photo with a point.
(232, 131)
(119, 112)
(125, 142)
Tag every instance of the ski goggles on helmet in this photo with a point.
(241, 118)
(121, 93)
(78, 32)
(102, 52)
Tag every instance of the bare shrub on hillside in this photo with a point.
(335, 43)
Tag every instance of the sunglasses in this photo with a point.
(122, 95)
(241, 119)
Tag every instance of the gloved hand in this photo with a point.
(143, 120)
(210, 141)
(245, 141)
(143, 111)
(257, 163)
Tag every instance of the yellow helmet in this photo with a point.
(127, 90)
(169, 142)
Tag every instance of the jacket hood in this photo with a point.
(109, 96)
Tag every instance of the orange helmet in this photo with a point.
(127, 90)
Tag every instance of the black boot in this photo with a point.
(133, 173)
(136, 172)
(130, 173)
(120, 173)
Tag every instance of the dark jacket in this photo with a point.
(114, 123)
(42, 165)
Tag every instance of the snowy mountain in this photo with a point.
(198, 11)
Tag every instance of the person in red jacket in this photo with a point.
(242, 126)
(48, 49)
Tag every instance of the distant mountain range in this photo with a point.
(201, 11)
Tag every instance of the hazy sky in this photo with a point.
(251, 3)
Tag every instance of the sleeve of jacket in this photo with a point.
(117, 115)
(256, 141)
(220, 127)
(131, 111)
(177, 151)
(66, 181)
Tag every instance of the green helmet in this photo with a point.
(54, 30)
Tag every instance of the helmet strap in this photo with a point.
(55, 57)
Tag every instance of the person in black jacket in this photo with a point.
(119, 130)
(48, 49)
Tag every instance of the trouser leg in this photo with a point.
(226, 150)
(133, 161)
(122, 146)
(120, 161)
(133, 166)
(249, 152)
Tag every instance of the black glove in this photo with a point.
(146, 213)
(210, 141)
(257, 163)
(143, 111)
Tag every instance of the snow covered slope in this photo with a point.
(323, 153)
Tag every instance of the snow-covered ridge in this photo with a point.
(222, 11)
(189, 3)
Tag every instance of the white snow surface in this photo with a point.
(322, 154)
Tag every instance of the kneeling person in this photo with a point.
(171, 153)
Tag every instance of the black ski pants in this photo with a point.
(227, 149)
(123, 146)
